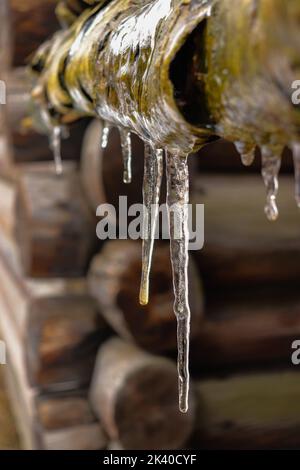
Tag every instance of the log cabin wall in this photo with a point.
(88, 367)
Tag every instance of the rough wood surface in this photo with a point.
(114, 279)
(55, 228)
(134, 394)
(255, 411)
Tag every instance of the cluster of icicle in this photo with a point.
(177, 202)
(271, 163)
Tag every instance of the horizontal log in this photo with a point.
(114, 279)
(255, 411)
(81, 433)
(52, 327)
(32, 22)
(241, 247)
(242, 332)
(55, 228)
(134, 395)
(61, 411)
(66, 422)
(86, 437)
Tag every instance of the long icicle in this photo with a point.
(125, 137)
(55, 143)
(177, 202)
(153, 170)
(296, 156)
(271, 162)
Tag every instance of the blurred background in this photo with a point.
(86, 366)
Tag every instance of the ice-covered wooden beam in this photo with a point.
(179, 72)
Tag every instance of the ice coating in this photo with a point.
(177, 202)
(271, 162)
(125, 137)
(246, 151)
(153, 171)
(296, 157)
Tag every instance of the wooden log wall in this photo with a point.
(73, 386)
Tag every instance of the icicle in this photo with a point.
(246, 151)
(105, 135)
(296, 155)
(271, 162)
(127, 154)
(177, 201)
(55, 143)
(153, 170)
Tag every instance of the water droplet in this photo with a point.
(177, 202)
(105, 135)
(296, 156)
(271, 162)
(125, 136)
(55, 144)
(246, 151)
(153, 170)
